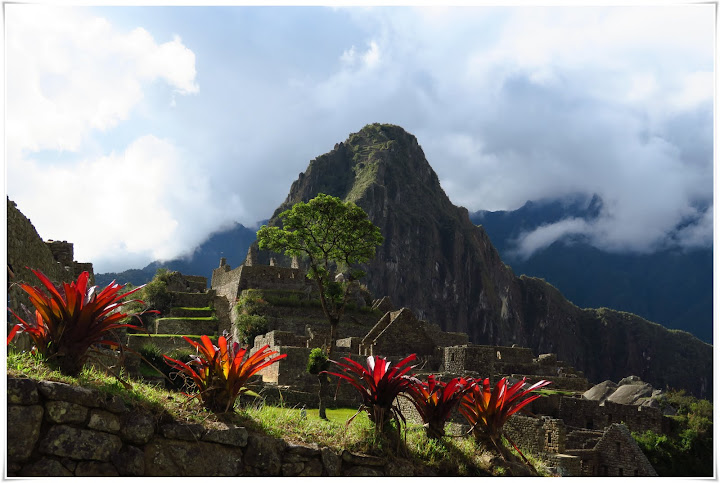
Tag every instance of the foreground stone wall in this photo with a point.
(56, 429)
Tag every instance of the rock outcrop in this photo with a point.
(437, 262)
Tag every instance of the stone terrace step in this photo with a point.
(166, 343)
(186, 299)
(186, 326)
(191, 312)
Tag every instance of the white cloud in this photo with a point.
(545, 235)
(69, 74)
(149, 202)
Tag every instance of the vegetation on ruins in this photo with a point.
(487, 410)
(250, 324)
(155, 293)
(688, 448)
(221, 373)
(71, 319)
(330, 235)
(379, 385)
(435, 401)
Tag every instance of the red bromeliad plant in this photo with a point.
(221, 373)
(379, 384)
(488, 410)
(435, 400)
(72, 319)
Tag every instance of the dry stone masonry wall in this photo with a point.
(56, 429)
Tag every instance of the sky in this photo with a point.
(136, 132)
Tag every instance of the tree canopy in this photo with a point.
(330, 235)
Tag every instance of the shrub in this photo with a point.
(155, 292)
(249, 302)
(687, 449)
(250, 326)
(71, 320)
(435, 401)
(222, 372)
(317, 361)
(488, 410)
(379, 384)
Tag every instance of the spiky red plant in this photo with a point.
(71, 319)
(435, 401)
(488, 410)
(379, 384)
(222, 373)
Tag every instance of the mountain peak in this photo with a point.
(380, 160)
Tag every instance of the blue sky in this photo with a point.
(160, 125)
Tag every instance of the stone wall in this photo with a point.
(584, 413)
(537, 435)
(402, 334)
(473, 358)
(615, 454)
(55, 429)
(25, 250)
(62, 251)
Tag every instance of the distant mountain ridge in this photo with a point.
(231, 244)
(672, 287)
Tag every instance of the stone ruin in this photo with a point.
(577, 433)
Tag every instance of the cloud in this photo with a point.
(509, 105)
(149, 202)
(71, 73)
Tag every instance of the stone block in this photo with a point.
(137, 428)
(237, 436)
(264, 455)
(104, 421)
(22, 391)
(129, 461)
(59, 391)
(331, 461)
(292, 468)
(165, 457)
(185, 432)
(363, 471)
(312, 468)
(95, 468)
(63, 412)
(79, 444)
(23, 431)
(45, 467)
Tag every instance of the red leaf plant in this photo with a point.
(222, 373)
(435, 401)
(488, 410)
(379, 384)
(72, 319)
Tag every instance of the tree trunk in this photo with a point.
(321, 395)
(333, 336)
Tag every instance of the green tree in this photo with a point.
(329, 234)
